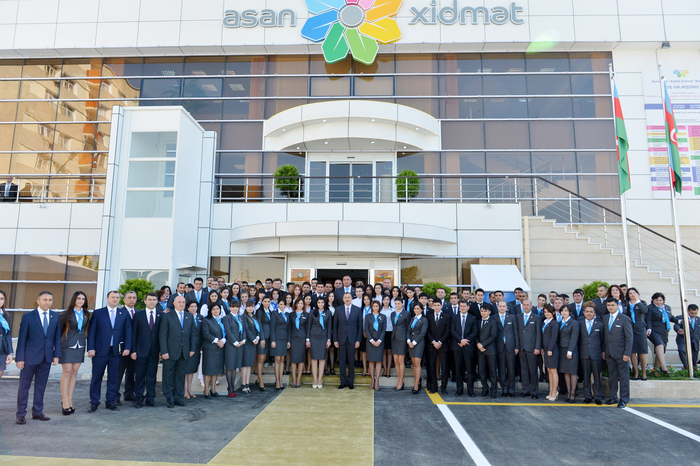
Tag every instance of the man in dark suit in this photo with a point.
(694, 336)
(576, 308)
(530, 335)
(345, 288)
(198, 294)
(347, 333)
(109, 339)
(127, 368)
(8, 191)
(591, 345)
(618, 337)
(488, 332)
(38, 347)
(475, 308)
(179, 291)
(318, 293)
(438, 343)
(517, 300)
(463, 332)
(146, 352)
(178, 339)
(600, 306)
(452, 307)
(507, 345)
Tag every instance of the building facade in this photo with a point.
(144, 137)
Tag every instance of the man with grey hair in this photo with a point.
(530, 335)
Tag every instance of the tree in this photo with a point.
(140, 286)
(590, 291)
(287, 180)
(431, 287)
(407, 185)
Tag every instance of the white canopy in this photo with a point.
(497, 277)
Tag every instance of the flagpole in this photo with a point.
(678, 246)
(623, 197)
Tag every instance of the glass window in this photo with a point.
(384, 63)
(253, 268)
(153, 145)
(592, 107)
(418, 85)
(554, 107)
(239, 163)
(507, 135)
(462, 135)
(420, 271)
(203, 87)
(553, 162)
(160, 89)
(374, 85)
(151, 174)
(24, 296)
(590, 61)
(468, 163)
(549, 62)
(551, 135)
(43, 268)
(219, 267)
(82, 268)
(420, 162)
(203, 66)
(241, 136)
(159, 278)
(6, 265)
(149, 204)
(594, 134)
(508, 162)
(317, 183)
(321, 86)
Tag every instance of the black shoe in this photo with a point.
(524, 395)
(611, 401)
(512, 395)
(21, 421)
(571, 400)
(621, 404)
(117, 403)
(332, 371)
(213, 395)
(399, 389)
(598, 402)
(351, 386)
(341, 386)
(129, 398)
(444, 390)
(484, 393)
(113, 407)
(65, 411)
(453, 379)
(137, 405)
(471, 394)
(179, 403)
(459, 393)
(587, 401)
(92, 409)
(535, 397)
(634, 378)
(170, 404)
(150, 403)
(40, 417)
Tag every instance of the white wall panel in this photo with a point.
(82, 241)
(42, 241)
(78, 11)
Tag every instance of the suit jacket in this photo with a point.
(591, 345)
(509, 330)
(572, 309)
(279, 328)
(339, 295)
(448, 309)
(211, 330)
(313, 325)
(515, 308)
(12, 195)
(314, 298)
(488, 334)
(400, 332)
(642, 321)
(530, 333)
(172, 298)
(101, 332)
(600, 307)
(568, 335)
(694, 335)
(264, 321)
(251, 331)
(347, 330)
(469, 332)
(619, 338)
(146, 341)
(419, 330)
(35, 347)
(550, 335)
(192, 296)
(235, 330)
(177, 340)
(73, 337)
(5, 336)
(475, 311)
(300, 332)
(438, 332)
(373, 334)
(654, 318)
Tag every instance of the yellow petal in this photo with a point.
(385, 30)
(383, 8)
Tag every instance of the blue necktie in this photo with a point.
(525, 319)
(503, 324)
(610, 323)
(692, 323)
(396, 318)
(590, 324)
(45, 322)
(298, 318)
(634, 319)
(376, 324)
(563, 322)
(182, 318)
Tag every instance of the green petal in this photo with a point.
(335, 47)
(364, 49)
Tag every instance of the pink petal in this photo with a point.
(365, 4)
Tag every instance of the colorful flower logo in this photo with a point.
(681, 73)
(351, 26)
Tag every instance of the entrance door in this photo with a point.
(350, 177)
(330, 275)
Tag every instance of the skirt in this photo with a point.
(249, 353)
(281, 348)
(297, 351)
(375, 353)
(387, 338)
(398, 347)
(639, 343)
(192, 366)
(318, 348)
(212, 361)
(3, 358)
(566, 365)
(552, 362)
(266, 349)
(232, 357)
(417, 351)
(657, 339)
(71, 356)
(363, 344)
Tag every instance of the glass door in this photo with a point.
(350, 178)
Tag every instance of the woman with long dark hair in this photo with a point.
(297, 338)
(399, 319)
(74, 327)
(366, 310)
(233, 349)
(192, 366)
(416, 343)
(6, 350)
(264, 315)
(279, 340)
(213, 341)
(330, 366)
(225, 299)
(250, 348)
(318, 339)
(375, 327)
(550, 349)
(212, 298)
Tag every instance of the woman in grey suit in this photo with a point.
(550, 349)
(74, 327)
(375, 327)
(568, 352)
(213, 341)
(233, 349)
(250, 348)
(263, 314)
(659, 320)
(279, 340)
(398, 341)
(416, 342)
(192, 366)
(6, 351)
(318, 339)
(641, 328)
(297, 338)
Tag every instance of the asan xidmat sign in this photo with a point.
(359, 26)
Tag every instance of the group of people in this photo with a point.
(222, 329)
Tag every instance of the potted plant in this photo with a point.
(407, 185)
(288, 181)
(140, 286)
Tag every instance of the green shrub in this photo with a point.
(287, 180)
(590, 290)
(140, 286)
(431, 287)
(407, 185)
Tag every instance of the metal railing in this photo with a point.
(43, 188)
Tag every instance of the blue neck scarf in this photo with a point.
(396, 318)
(218, 321)
(563, 322)
(367, 310)
(634, 319)
(298, 319)
(79, 318)
(283, 314)
(4, 323)
(665, 318)
(320, 319)
(257, 325)
(376, 323)
(413, 324)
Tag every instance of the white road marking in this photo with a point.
(678, 430)
(463, 436)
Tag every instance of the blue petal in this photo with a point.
(316, 27)
(319, 6)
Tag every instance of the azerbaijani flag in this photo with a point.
(674, 158)
(623, 166)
